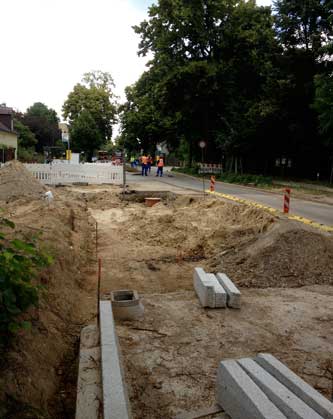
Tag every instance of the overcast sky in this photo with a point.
(47, 45)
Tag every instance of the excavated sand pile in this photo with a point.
(16, 182)
(288, 255)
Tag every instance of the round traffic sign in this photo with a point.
(202, 144)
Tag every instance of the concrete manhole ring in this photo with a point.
(126, 304)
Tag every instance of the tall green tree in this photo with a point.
(304, 24)
(93, 95)
(323, 104)
(43, 122)
(304, 29)
(211, 61)
(85, 134)
(26, 137)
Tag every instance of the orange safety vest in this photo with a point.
(144, 159)
(160, 163)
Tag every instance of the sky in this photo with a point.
(47, 45)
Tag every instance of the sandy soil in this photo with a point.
(171, 356)
(38, 373)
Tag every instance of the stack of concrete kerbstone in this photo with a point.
(215, 291)
(264, 388)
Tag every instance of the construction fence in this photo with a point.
(64, 173)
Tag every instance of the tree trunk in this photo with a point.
(190, 154)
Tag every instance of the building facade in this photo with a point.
(8, 137)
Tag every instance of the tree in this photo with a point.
(43, 122)
(304, 30)
(211, 62)
(324, 105)
(26, 137)
(94, 95)
(85, 134)
(306, 24)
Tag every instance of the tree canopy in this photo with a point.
(43, 122)
(93, 96)
(235, 74)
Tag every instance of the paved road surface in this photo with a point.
(321, 213)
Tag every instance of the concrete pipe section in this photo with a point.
(126, 305)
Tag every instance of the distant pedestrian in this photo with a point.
(144, 165)
(160, 165)
(149, 163)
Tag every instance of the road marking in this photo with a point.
(273, 211)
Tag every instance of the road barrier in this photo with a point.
(210, 168)
(64, 173)
(286, 203)
(212, 183)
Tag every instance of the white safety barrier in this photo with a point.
(210, 168)
(92, 173)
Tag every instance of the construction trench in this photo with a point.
(170, 354)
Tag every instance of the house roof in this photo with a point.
(4, 110)
(5, 129)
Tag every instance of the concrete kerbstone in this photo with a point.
(204, 291)
(233, 293)
(115, 397)
(286, 401)
(240, 397)
(219, 292)
(295, 384)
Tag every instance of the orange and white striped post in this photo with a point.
(212, 183)
(286, 203)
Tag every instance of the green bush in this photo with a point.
(28, 155)
(187, 170)
(230, 177)
(20, 261)
(246, 179)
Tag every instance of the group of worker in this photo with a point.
(146, 163)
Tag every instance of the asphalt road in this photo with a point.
(321, 213)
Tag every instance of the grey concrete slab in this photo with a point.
(233, 293)
(295, 384)
(220, 293)
(199, 276)
(286, 401)
(240, 397)
(115, 397)
(89, 386)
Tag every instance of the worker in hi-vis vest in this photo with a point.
(160, 165)
(144, 165)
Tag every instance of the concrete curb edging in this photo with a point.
(115, 397)
(250, 387)
(286, 401)
(295, 384)
(233, 293)
(240, 397)
(209, 291)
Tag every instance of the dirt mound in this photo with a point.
(190, 223)
(38, 374)
(17, 182)
(288, 256)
